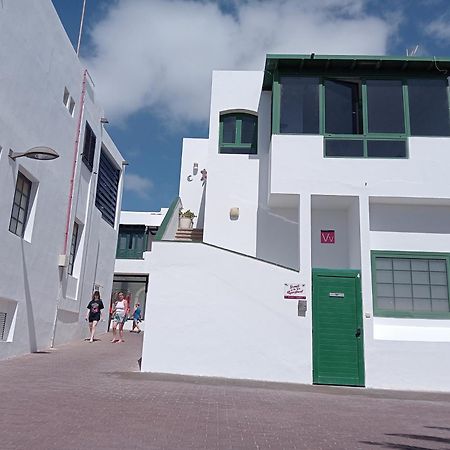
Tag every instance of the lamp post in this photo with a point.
(39, 153)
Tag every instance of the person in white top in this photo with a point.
(120, 314)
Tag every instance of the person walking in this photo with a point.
(136, 318)
(120, 314)
(94, 313)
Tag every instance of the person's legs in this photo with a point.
(92, 326)
(121, 332)
(114, 339)
(136, 325)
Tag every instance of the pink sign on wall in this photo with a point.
(327, 237)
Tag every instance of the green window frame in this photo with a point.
(424, 279)
(132, 242)
(366, 138)
(237, 143)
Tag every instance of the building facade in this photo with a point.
(326, 216)
(60, 217)
(137, 232)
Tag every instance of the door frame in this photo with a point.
(340, 273)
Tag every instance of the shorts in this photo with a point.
(94, 317)
(119, 317)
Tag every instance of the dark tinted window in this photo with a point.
(428, 107)
(21, 203)
(89, 147)
(248, 130)
(342, 147)
(343, 107)
(386, 149)
(299, 108)
(385, 106)
(229, 129)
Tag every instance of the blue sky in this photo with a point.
(151, 61)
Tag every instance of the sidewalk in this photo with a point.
(91, 396)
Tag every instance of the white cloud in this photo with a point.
(439, 29)
(138, 184)
(158, 55)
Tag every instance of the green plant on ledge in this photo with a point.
(187, 214)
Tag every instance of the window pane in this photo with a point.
(386, 149)
(383, 263)
(229, 129)
(421, 291)
(299, 106)
(440, 305)
(401, 264)
(385, 106)
(21, 215)
(19, 229)
(343, 107)
(437, 266)
(438, 278)
(428, 107)
(122, 242)
(248, 130)
(422, 304)
(385, 290)
(13, 225)
(386, 303)
(419, 264)
(439, 292)
(402, 291)
(384, 276)
(341, 147)
(402, 276)
(403, 304)
(250, 150)
(420, 277)
(15, 211)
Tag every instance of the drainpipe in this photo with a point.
(63, 256)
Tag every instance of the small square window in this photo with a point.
(66, 97)
(71, 106)
(238, 133)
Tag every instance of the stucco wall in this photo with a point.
(41, 63)
(226, 318)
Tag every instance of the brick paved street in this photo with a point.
(91, 396)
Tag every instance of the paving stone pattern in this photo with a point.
(92, 396)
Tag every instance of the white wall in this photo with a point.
(226, 319)
(147, 218)
(41, 63)
(192, 188)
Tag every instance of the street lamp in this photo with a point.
(40, 153)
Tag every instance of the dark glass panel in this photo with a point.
(299, 105)
(428, 107)
(229, 129)
(386, 149)
(342, 147)
(249, 129)
(343, 113)
(385, 106)
(238, 150)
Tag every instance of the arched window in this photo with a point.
(238, 133)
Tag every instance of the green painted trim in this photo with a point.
(238, 133)
(166, 220)
(340, 273)
(378, 312)
(276, 104)
(277, 56)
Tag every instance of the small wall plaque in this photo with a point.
(337, 294)
(301, 308)
(327, 236)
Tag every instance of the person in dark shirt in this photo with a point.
(94, 313)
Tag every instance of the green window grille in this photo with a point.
(238, 133)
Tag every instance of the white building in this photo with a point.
(59, 221)
(326, 221)
(137, 231)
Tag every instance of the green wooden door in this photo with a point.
(338, 356)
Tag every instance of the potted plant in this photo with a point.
(187, 219)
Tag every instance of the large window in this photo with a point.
(361, 116)
(428, 107)
(299, 105)
(410, 285)
(21, 203)
(238, 133)
(89, 147)
(107, 186)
